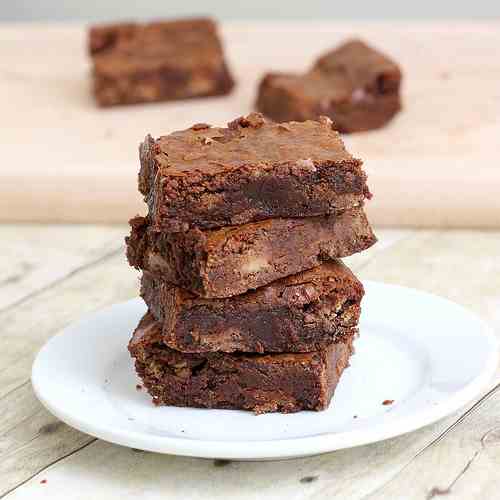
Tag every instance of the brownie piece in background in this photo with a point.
(299, 313)
(159, 61)
(209, 177)
(354, 84)
(231, 260)
(262, 383)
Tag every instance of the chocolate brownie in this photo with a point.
(262, 383)
(229, 261)
(299, 313)
(160, 61)
(355, 85)
(210, 177)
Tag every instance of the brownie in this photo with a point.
(262, 383)
(160, 61)
(209, 177)
(299, 313)
(355, 85)
(231, 260)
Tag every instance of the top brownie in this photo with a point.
(163, 60)
(254, 169)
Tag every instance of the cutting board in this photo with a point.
(436, 165)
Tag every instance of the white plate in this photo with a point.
(426, 353)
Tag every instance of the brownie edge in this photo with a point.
(230, 261)
(299, 313)
(262, 383)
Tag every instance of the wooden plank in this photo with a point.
(31, 438)
(465, 465)
(460, 265)
(435, 165)
(382, 470)
(25, 445)
(104, 471)
(33, 256)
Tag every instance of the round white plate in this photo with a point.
(426, 353)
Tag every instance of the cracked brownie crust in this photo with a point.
(159, 61)
(354, 84)
(300, 313)
(262, 383)
(229, 261)
(209, 177)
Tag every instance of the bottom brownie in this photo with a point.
(260, 382)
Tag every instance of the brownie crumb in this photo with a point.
(354, 416)
(221, 462)
(43, 481)
(387, 402)
(138, 387)
(309, 479)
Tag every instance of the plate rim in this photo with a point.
(277, 448)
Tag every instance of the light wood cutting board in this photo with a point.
(436, 165)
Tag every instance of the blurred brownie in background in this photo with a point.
(159, 61)
(354, 85)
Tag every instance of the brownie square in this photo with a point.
(262, 383)
(354, 84)
(217, 263)
(209, 177)
(299, 313)
(160, 61)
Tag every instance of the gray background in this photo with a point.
(98, 10)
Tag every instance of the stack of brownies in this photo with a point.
(248, 305)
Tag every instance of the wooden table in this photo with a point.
(51, 275)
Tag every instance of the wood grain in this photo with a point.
(67, 280)
(26, 253)
(436, 165)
